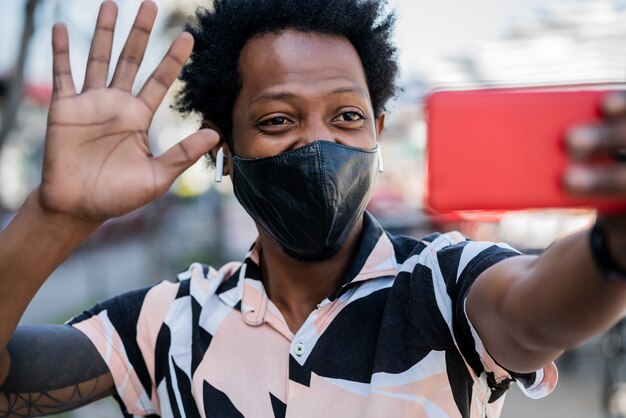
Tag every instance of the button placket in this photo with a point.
(304, 340)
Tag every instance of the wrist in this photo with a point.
(60, 225)
(608, 246)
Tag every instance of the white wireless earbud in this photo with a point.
(380, 160)
(219, 165)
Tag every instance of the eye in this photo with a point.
(350, 116)
(275, 121)
(275, 124)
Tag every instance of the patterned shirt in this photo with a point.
(394, 340)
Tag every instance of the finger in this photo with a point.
(132, 54)
(614, 105)
(183, 155)
(100, 52)
(589, 141)
(608, 181)
(164, 75)
(63, 84)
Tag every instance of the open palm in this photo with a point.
(97, 163)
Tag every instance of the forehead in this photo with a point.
(299, 60)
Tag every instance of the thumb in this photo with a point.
(184, 154)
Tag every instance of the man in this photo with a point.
(328, 315)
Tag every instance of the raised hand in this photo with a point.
(97, 163)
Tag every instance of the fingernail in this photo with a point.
(582, 139)
(615, 103)
(579, 179)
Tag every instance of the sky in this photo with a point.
(425, 28)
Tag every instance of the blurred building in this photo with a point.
(561, 43)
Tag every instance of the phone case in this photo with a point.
(504, 149)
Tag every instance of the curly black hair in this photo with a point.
(211, 79)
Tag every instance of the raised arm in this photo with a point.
(527, 310)
(54, 368)
(97, 165)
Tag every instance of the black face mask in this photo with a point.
(310, 198)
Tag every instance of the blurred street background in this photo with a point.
(442, 43)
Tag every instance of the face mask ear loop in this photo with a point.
(380, 160)
(219, 165)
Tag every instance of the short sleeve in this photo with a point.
(535, 385)
(456, 263)
(125, 330)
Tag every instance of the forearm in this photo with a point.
(32, 246)
(529, 309)
(564, 299)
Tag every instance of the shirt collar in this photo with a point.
(374, 258)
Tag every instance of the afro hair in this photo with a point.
(211, 79)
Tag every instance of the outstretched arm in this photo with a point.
(97, 165)
(527, 310)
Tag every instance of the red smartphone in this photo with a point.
(504, 149)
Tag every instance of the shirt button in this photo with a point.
(299, 349)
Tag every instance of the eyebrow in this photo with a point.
(285, 96)
(274, 97)
(357, 90)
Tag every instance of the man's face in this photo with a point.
(299, 88)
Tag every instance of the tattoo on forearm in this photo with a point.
(35, 404)
(52, 369)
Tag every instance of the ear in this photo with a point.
(380, 125)
(220, 144)
(228, 157)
